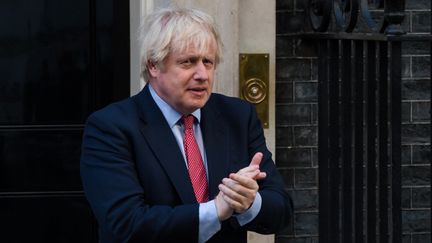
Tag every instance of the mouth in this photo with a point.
(198, 91)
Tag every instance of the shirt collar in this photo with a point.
(171, 115)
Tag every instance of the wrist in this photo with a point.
(223, 210)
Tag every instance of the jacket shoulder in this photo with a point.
(227, 102)
(116, 111)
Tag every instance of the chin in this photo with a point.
(196, 106)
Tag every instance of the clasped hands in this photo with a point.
(238, 190)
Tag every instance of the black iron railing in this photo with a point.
(380, 16)
(359, 128)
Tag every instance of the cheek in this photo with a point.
(211, 82)
(174, 83)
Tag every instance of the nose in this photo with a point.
(201, 72)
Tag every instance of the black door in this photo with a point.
(59, 61)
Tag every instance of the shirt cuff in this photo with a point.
(208, 221)
(251, 213)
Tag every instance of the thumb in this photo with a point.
(256, 160)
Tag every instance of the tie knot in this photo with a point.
(188, 121)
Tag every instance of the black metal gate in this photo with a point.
(359, 146)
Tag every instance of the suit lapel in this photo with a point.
(215, 136)
(161, 140)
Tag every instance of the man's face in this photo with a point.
(186, 79)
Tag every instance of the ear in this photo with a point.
(153, 69)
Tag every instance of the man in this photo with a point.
(176, 163)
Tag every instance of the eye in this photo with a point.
(186, 62)
(208, 62)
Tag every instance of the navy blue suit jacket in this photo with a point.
(136, 181)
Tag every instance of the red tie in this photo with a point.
(197, 171)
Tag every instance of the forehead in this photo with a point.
(196, 46)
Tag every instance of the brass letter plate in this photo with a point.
(254, 83)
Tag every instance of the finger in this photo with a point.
(243, 195)
(256, 159)
(256, 175)
(250, 174)
(253, 173)
(247, 182)
(236, 206)
(240, 192)
(248, 169)
(232, 193)
(236, 201)
(260, 176)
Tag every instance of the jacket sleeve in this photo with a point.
(116, 197)
(276, 209)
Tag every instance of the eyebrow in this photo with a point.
(197, 56)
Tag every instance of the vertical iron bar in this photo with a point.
(382, 144)
(334, 141)
(358, 141)
(395, 79)
(371, 137)
(323, 143)
(346, 143)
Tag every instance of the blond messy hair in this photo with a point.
(175, 29)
